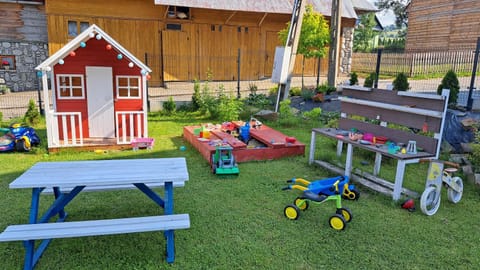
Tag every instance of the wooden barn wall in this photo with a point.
(443, 24)
(207, 43)
(22, 22)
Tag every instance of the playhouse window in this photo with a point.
(70, 86)
(128, 87)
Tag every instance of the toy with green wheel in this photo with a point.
(338, 221)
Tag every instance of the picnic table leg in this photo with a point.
(169, 234)
(30, 245)
(397, 188)
(57, 193)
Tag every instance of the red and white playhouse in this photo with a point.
(99, 93)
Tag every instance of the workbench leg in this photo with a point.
(378, 163)
(339, 148)
(348, 162)
(397, 188)
(311, 155)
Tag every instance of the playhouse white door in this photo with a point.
(100, 102)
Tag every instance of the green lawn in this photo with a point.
(238, 222)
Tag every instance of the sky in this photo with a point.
(385, 17)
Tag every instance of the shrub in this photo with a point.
(353, 78)
(4, 89)
(326, 89)
(196, 95)
(295, 91)
(229, 108)
(370, 80)
(258, 100)
(32, 116)
(401, 82)
(450, 81)
(307, 94)
(169, 106)
(314, 114)
(286, 116)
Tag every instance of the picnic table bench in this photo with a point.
(369, 110)
(65, 180)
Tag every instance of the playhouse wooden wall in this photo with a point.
(443, 24)
(207, 42)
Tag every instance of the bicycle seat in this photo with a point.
(450, 170)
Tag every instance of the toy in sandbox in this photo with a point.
(223, 161)
(438, 175)
(319, 193)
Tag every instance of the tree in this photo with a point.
(314, 36)
(364, 33)
(399, 8)
(450, 81)
(401, 82)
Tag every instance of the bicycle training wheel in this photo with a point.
(291, 211)
(430, 201)
(455, 196)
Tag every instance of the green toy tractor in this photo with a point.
(223, 161)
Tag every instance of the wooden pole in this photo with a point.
(335, 30)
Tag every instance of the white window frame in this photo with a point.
(70, 87)
(128, 87)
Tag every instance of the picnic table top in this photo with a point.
(103, 172)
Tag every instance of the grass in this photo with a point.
(238, 222)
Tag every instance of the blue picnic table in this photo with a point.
(65, 180)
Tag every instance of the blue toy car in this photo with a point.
(325, 186)
(18, 137)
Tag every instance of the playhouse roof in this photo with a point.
(89, 33)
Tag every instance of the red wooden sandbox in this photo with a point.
(275, 143)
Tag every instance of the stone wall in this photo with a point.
(346, 50)
(28, 55)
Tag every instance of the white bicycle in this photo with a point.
(437, 175)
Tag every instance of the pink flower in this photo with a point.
(5, 63)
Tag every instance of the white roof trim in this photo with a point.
(84, 37)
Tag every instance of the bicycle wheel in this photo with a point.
(430, 201)
(455, 196)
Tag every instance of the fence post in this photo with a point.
(238, 74)
(472, 81)
(377, 68)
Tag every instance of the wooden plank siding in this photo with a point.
(22, 22)
(442, 24)
(208, 40)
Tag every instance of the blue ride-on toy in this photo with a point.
(325, 186)
(338, 221)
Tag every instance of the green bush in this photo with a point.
(229, 108)
(370, 80)
(258, 100)
(314, 114)
(353, 78)
(169, 106)
(4, 89)
(326, 89)
(401, 82)
(450, 81)
(32, 116)
(295, 91)
(286, 116)
(307, 94)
